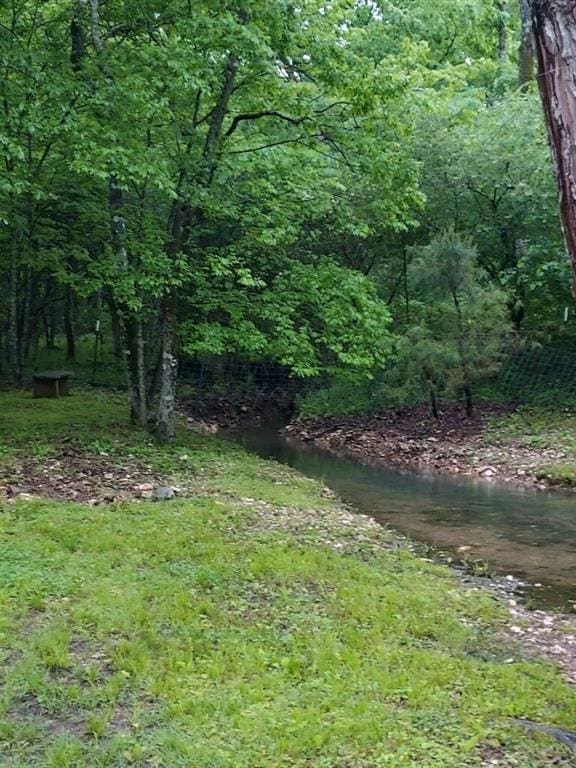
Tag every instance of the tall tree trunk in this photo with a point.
(14, 369)
(30, 330)
(433, 396)
(405, 282)
(166, 420)
(50, 326)
(48, 314)
(502, 8)
(130, 330)
(464, 363)
(212, 142)
(554, 26)
(180, 218)
(116, 334)
(468, 400)
(179, 223)
(141, 375)
(526, 51)
(133, 343)
(132, 354)
(154, 384)
(24, 320)
(128, 334)
(69, 326)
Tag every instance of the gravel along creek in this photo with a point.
(522, 533)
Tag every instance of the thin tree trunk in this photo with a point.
(50, 327)
(116, 335)
(526, 51)
(502, 8)
(132, 354)
(14, 369)
(468, 400)
(24, 324)
(141, 375)
(405, 282)
(48, 315)
(466, 386)
(554, 26)
(31, 333)
(166, 421)
(69, 326)
(433, 397)
(130, 331)
(128, 336)
(154, 385)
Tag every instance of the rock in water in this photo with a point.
(163, 493)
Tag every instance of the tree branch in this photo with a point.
(257, 115)
(266, 146)
(280, 115)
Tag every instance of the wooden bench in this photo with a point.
(51, 383)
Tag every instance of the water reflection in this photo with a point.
(531, 534)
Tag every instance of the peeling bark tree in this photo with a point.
(554, 27)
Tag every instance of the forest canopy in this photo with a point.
(274, 181)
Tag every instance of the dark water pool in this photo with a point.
(528, 534)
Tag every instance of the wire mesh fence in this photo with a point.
(537, 373)
(233, 376)
(528, 373)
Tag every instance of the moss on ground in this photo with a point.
(252, 624)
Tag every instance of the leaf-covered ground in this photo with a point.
(251, 623)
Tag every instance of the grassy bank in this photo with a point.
(251, 623)
(549, 434)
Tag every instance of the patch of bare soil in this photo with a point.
(29, 710)
(69, 721)
(73, 474)
(410, 437)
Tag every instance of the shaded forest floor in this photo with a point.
(251, 622)
(523, 446)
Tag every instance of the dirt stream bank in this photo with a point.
(409, 437)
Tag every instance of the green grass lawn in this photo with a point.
(246, 626)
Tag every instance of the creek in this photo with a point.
(525, 533)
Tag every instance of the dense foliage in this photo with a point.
(260, 179)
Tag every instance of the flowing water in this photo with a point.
(526, 533)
